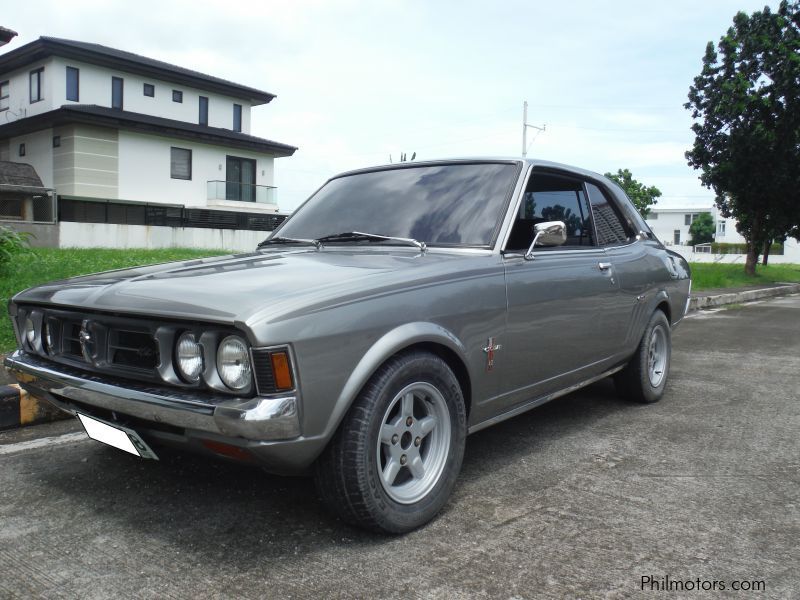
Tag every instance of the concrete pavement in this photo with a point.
(581, 498)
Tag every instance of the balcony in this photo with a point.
(226, 193)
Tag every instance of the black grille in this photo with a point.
(262, 368)
(135, 349)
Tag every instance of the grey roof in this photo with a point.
(19, 174)
(128, 61)
(6, 35)
(123, 119)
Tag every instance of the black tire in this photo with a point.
(348, 474)
(635, 382)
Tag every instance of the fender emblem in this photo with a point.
(490, 349)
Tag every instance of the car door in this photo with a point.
(564, 316)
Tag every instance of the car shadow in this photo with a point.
(232, 515)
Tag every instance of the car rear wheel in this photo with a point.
(645, 376)
(394, 460)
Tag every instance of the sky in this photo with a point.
(360, 81)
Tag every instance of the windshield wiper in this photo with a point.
(357, 236)
(288, 240)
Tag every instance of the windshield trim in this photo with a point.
(514, 181)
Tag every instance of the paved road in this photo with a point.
(580, 498)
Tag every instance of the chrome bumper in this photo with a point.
(260, 419)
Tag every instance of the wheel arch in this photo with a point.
(420, 335)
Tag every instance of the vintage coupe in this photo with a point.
(399, 309)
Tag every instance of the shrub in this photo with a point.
(12, 242)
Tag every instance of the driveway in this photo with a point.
(586, 497)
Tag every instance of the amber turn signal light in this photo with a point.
(281, 371)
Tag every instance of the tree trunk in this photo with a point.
(752, 259)
(767, 247)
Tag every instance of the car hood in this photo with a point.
(232, 289)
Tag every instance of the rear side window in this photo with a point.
(552, 198)
(610, 227)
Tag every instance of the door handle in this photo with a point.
(604, 266)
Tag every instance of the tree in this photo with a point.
(702, 229)
(642, 196)
(746, 107)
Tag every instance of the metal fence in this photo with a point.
(27, 206)
(87, 211)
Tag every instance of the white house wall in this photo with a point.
(38, 153)
(19, 104)
(95, 88)
(144, 170)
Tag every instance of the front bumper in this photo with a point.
(260, 419)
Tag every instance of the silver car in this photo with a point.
(399, 309)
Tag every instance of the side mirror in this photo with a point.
(549, 233)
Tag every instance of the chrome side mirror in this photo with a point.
(549, 233)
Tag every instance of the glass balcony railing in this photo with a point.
(242, 192)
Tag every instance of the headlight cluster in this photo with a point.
(232, 360)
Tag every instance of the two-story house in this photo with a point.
(126, 139)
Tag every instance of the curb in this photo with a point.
(700, 302)
(18, 408)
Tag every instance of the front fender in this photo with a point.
(385, 347)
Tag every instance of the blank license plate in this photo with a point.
(114, 435)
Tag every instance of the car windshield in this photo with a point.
(440, 205)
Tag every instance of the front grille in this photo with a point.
(136, 349)
(262, 369)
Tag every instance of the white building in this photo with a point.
(128, 140)
(671, 226)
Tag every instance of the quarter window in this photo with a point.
(73, 84)
(36, 93)
(180, 163)
(607, 221)
(4, 86)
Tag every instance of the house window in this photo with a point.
(4, 86)
(721, 229)
(73, 84)
(677, 237)
(180, 164)
(116, 92)
(240, 179)
(177, 96)
(203, 118)
(149, 90)
(237, 117)
(689, 219)
(56, 141)
(22, 149)
(36, 85)
(652, 216)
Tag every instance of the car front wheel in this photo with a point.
(394, 460)
(644, 378)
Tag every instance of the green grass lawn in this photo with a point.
(47, 264)
(709, 275)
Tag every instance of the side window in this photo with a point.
(552, 198)
(610, 227)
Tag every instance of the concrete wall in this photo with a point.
(38, 153)
(44, 235)
(791, 255)
(103, 235)
(86, 163)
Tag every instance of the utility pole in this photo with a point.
(525, 128)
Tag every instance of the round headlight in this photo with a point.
(30, 331)
(189, 357)
(233, 362)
